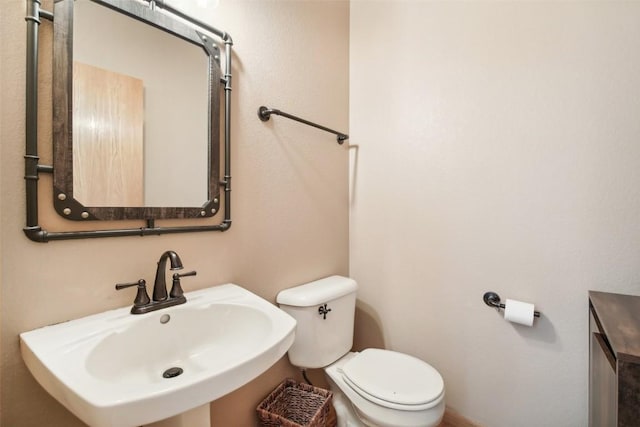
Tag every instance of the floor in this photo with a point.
(453, 419)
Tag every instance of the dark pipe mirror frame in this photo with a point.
(62, 169)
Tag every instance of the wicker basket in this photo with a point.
(293, 404)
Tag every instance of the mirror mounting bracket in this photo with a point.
(32, 167)
(212, 50)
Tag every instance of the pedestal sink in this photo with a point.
(115, 369)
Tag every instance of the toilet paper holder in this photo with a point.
(493, 300)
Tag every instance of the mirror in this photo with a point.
(136, 114)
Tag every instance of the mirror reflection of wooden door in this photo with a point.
(108, 126)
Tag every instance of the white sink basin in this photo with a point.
(108, 368)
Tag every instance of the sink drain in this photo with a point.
(172, 372)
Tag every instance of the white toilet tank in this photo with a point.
(324, 310)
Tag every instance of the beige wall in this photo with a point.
(499, 149)
(290, 196)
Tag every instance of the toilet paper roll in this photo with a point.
(518, 312)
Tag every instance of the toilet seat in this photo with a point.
(394, 380)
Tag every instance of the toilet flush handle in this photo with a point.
(323, 311)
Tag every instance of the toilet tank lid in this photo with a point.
(317, 292)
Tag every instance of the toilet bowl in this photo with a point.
(410, 395)
(374, 387)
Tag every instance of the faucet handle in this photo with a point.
(142, 298)
(176, 289)
(188, 273)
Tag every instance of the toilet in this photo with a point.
(374, 387)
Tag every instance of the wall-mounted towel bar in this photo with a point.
(265, 113)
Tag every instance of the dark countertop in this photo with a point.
(618, 317)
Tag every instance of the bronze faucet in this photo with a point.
(143, 304)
